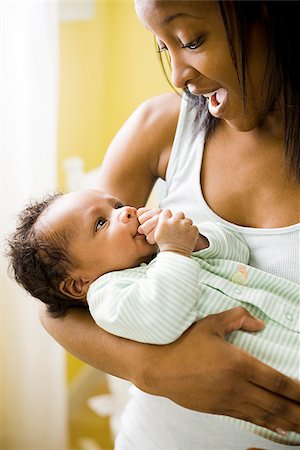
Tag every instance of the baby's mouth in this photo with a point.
(138, 234)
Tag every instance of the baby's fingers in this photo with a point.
(165, 214)
(148, 221)
(179, 215)
(145, 214)
(150, 237)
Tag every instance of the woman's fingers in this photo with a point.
(276, 404)
(278, 383)
(275, 398)
(237, 319)
(266, 419)
(240, 385)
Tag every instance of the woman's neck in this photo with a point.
(244, 177)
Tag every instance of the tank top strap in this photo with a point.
(182, 185)
(188, 143)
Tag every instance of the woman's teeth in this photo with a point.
(220, 95)
(217, 102)
(216, 97)
(209, 94)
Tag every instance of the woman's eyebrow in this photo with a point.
(169, 19)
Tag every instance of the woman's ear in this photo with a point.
(74, 288)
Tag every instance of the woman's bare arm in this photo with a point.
(201, 370)
(140, 151)
(81, 336)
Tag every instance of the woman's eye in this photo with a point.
(194, 44)
(100, 222)
(161, 49)
(119, 205)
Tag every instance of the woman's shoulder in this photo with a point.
(154, 122)
(168, 102)
(158, 118)
(150, 131)
(140, 151)
(160, 112)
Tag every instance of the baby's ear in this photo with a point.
(74, 288)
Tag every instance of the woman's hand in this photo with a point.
(202, 371)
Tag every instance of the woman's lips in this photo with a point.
(216, 99)
(221, 95)
(217, 102)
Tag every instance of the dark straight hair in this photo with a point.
(281, 20)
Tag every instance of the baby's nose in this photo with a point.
(127, 213)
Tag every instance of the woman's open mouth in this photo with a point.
(217, 101)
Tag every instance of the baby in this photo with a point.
(147, 274)
(87, 247)
(65, 242)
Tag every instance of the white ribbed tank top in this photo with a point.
(274, 250)
(155, 423)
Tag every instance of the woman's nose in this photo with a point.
(127, 213)
(182, 71)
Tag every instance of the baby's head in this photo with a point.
(65, 242)
(40, 259)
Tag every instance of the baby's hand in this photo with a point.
(148, 218)
(175, 233)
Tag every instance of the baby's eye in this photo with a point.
(119, 205)
(100, 222)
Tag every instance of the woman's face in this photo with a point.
(193, 34)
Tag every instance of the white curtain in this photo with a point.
(33, 392)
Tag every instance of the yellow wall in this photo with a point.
(108, 66)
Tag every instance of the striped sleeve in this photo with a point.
(156, 307)
(224, 243)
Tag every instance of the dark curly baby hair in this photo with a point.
(39, 261)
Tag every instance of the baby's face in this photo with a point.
(101, 232)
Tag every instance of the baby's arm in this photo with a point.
(176, 233)
(148, 218)
(224, 243)
(156, 303)
(153, 304)
(215, 240)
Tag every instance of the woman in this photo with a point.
(238, 60)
